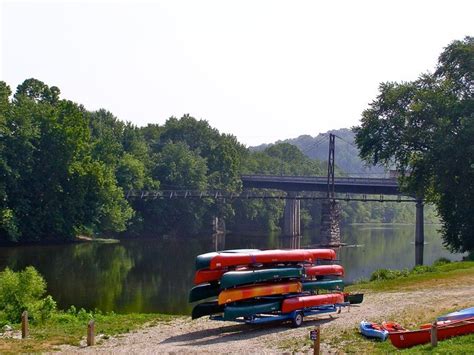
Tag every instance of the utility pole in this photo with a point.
(332, 147)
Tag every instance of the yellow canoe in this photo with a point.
(269, 289)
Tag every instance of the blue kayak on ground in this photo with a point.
(367, 329)
(459, 315)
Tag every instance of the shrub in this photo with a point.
(24, 290)
(387, 274)
(422, 269)
(441, 261)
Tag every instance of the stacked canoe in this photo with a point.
(247, 282)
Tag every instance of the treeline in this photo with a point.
(65, 171)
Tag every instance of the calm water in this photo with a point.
(154, 275)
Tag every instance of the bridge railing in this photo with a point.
(323, 179)
(258, 194)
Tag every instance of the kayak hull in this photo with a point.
(270, 257)
(237, 278)
(295, 303)
(204, 275)
(407, 339)
(247, 309)
(204, 260)
(354, 298)
(247, 292)
(323, 285)
(459, 315)
(203, 291)
(206, 309)
(367, 330)
(324, 270)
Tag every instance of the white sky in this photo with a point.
(261, 70)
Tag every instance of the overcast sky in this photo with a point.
(261, 70)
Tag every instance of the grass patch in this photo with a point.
(440, 274)
(352, 342)
(67, 328)
(457, 345)
(395, 280)
(295, 345)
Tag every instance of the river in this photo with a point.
(155, 275)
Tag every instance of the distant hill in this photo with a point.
(347, 154)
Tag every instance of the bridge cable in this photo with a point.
(317, 143)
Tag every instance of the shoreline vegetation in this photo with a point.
(47, 199)
(50, 328)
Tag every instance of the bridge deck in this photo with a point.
(319, 183)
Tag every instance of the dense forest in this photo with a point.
(65, 171)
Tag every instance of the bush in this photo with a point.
(386, 274)
(24, 291)
(422, 269)
(441, 261)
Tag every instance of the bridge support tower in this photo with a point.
(419, 232)
(291, 218)
(330, 218)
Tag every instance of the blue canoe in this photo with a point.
(367, 330)
(459, 315)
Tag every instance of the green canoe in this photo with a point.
(203, 291)
(354, 298)
(323, 285)
(246, 309)
(236, 278)
(204, 260)
(206, 309)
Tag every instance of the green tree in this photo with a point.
(8, 222)
(24, 290)
(180, 168)
(56, 188)
(426, 128)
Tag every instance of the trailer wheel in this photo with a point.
(297, 320)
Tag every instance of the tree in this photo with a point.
(179, 168)
(8, 222)
(54, 187)
(426, 128)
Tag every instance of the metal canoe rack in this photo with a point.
(281, 317)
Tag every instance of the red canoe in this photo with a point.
(271, 256)
(324, 270)
(409, 338)
(294, 303)
(206, 275)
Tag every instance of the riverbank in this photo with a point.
(64, 329)
(418, 299)
(411, 299)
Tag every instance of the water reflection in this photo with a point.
(218, 240)
(154, 275)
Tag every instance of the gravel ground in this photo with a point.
(184, 335)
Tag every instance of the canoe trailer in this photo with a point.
(296, 317)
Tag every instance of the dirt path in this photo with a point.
(204, 336)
